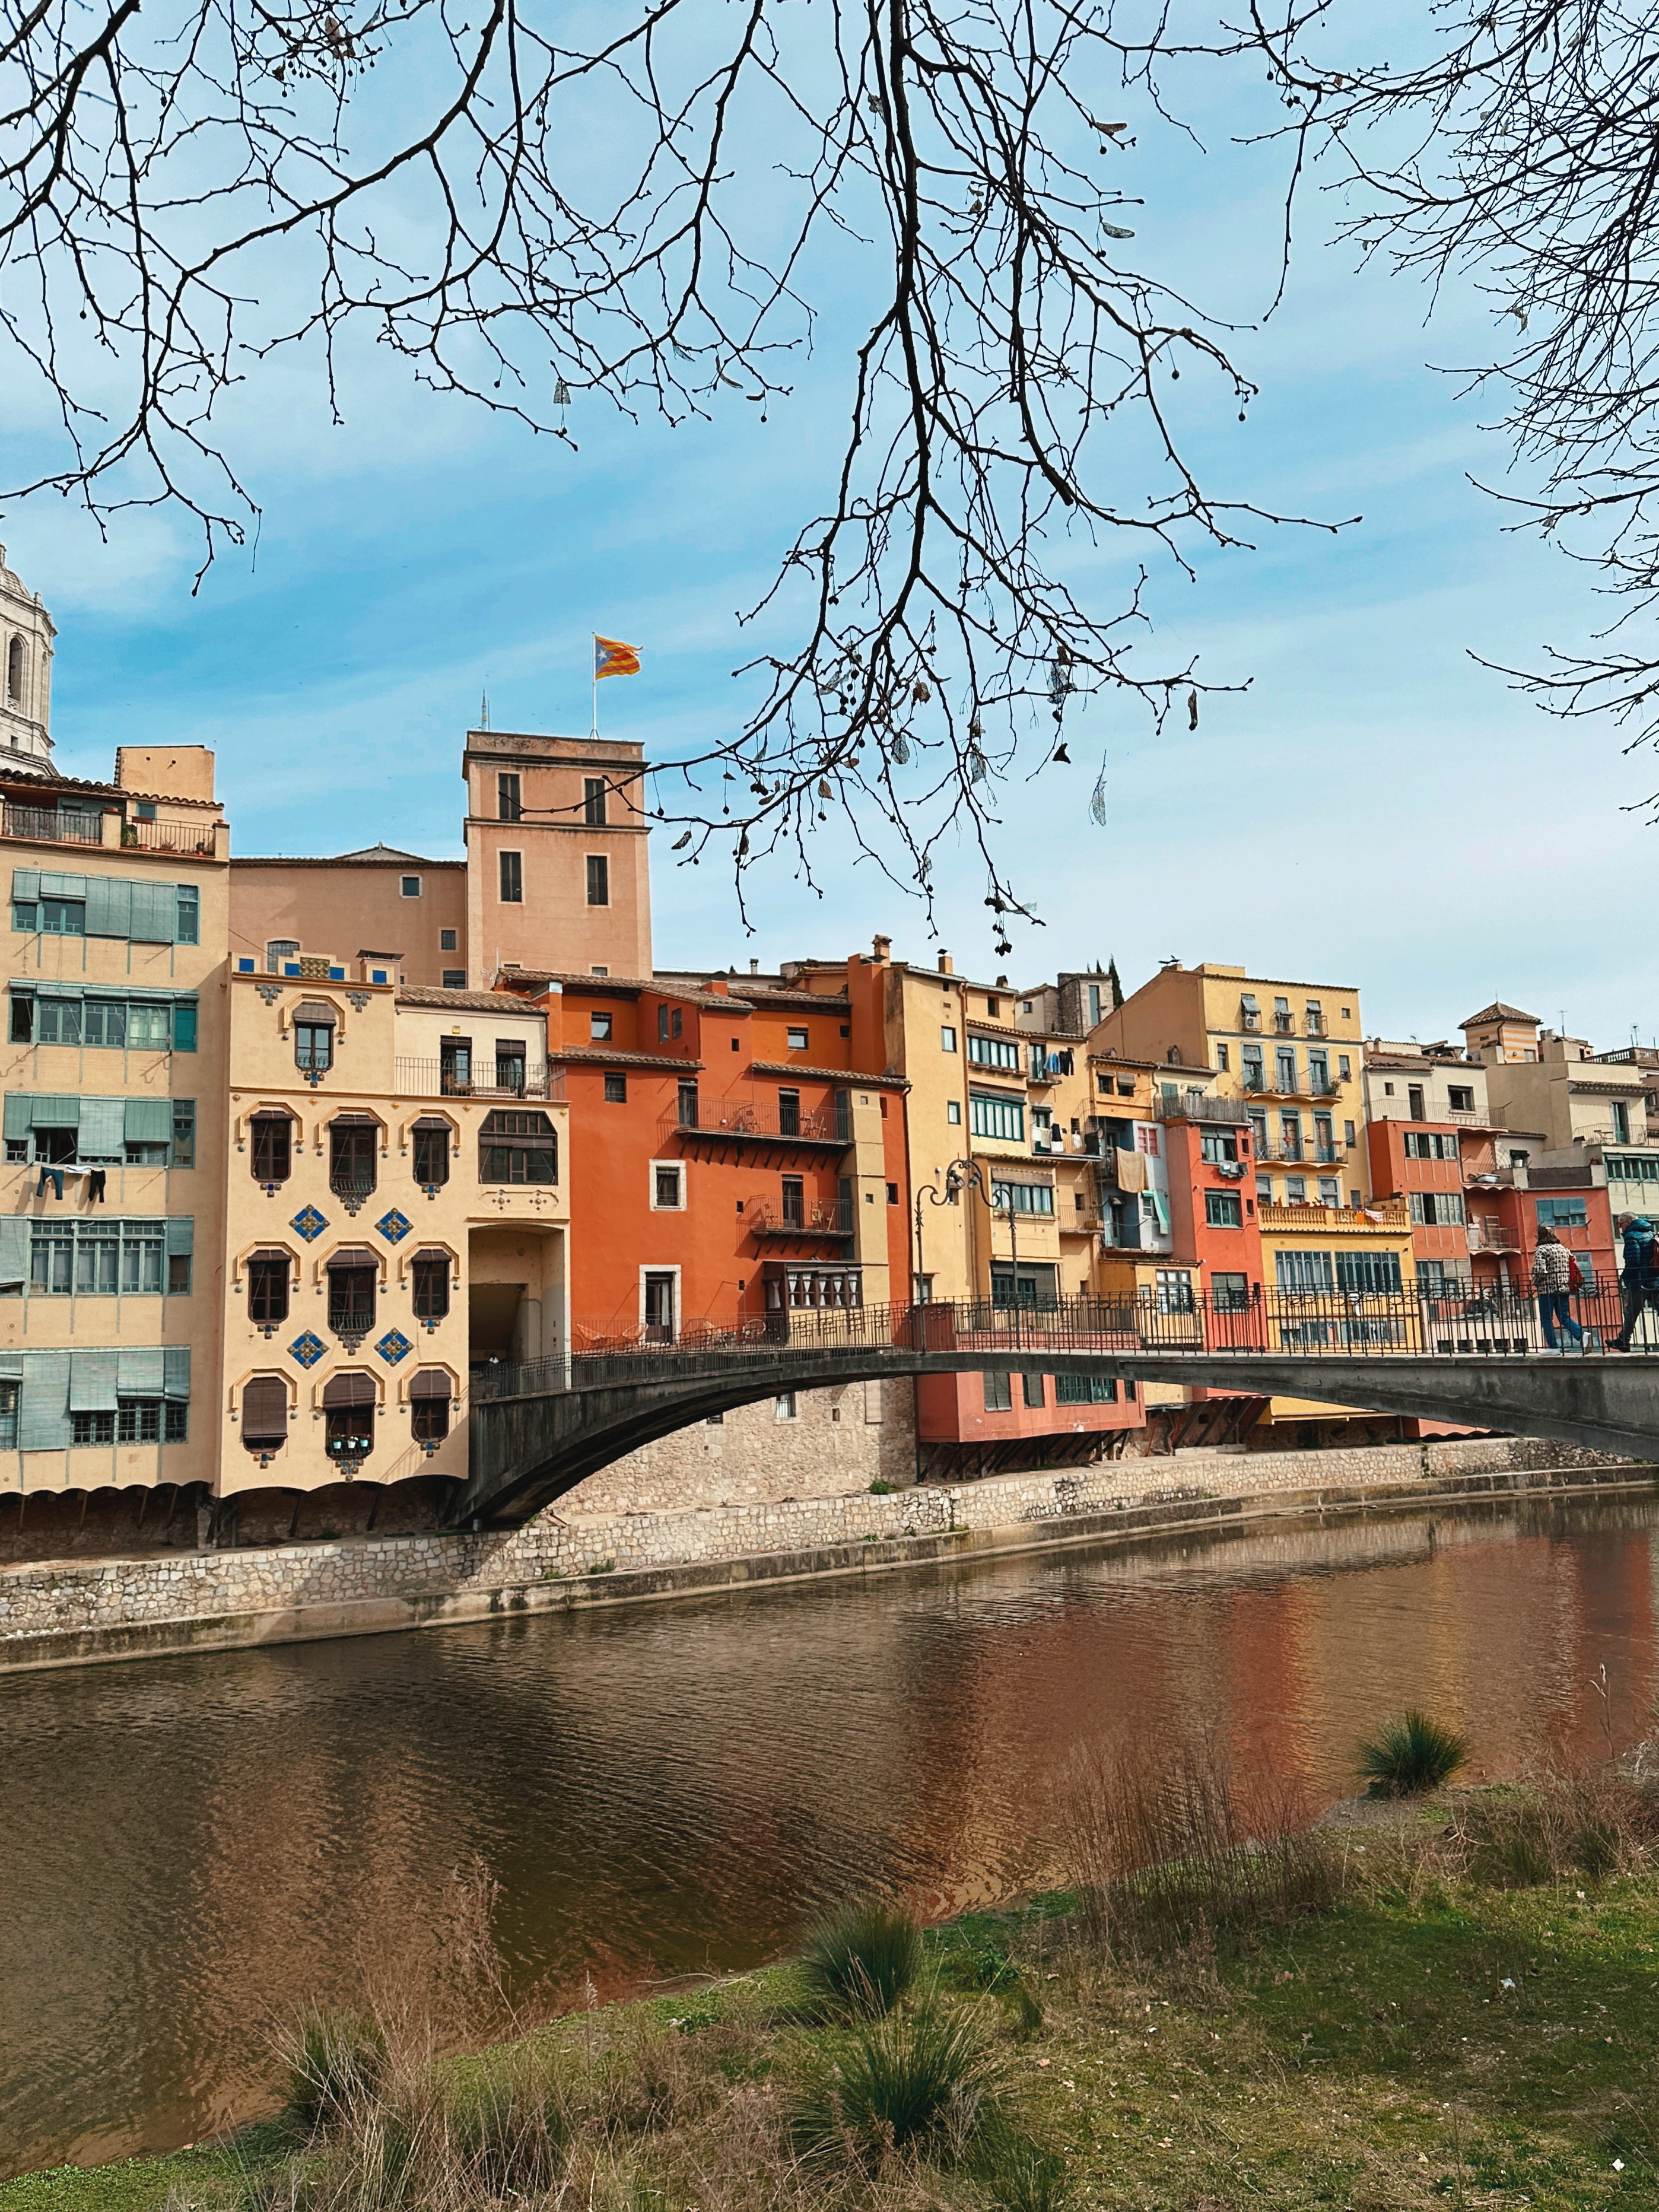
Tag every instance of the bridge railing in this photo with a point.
(1445, 1321)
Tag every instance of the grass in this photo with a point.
(860, 1961)
(1411, 1756)
(1437, 2031)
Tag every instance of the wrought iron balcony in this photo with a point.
(52, 825)
(498, 1079)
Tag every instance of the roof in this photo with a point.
(477, 1002)
(371, 856)
(811, 1002)
(1498, 1012)
(618, 986)
(593, 1057)
(847, 1075)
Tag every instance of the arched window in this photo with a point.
(272, 1147)
(14, 671)
(1174, 1055)
(352, 1273)
(264, 1414)
(268, 1287)
(354, 1145)
(428, 1405)
(349, 1416)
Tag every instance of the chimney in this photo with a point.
(946, 965)
(883, 946)
(754, 966)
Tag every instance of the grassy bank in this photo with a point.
(1462, 2010)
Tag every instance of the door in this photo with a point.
(660, 1308)
(455, 1066)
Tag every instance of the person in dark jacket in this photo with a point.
(1638, 1278)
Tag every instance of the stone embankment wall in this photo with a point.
(66, 1612)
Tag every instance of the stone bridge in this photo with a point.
(537, 1432)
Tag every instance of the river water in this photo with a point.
(190, 1848)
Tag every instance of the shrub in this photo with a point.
(1411, 1755)
(913, 2081)
(1016, 2174)
(1592, 1824)
(880, 1489)
(335, 2062)
(861, 1961)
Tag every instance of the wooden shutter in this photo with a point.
(264, 1409)
(351, 1389)
(431, 1382)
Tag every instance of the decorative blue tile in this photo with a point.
(309, 1223)
(393, 1346)
(308, 1348)
(393, 1227)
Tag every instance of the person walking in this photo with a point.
(1638, 1278)
(1552, 1271)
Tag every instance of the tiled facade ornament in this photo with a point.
(393, 1227)
(309, 1223)
(307, 1348)
(393, 1346)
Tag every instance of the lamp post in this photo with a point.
(959, 1175)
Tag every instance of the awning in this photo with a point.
(431, 1382)
(352, 1255)
(352, 1388)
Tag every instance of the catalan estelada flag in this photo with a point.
(612, 658)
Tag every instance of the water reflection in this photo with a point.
(187, 1847)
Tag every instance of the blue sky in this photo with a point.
(1376, 810)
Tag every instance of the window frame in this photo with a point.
(659, 1171)
(1215, 1206)
(509, 878)
(594, 811)
(598, 880)
(509, 795)
(403, 882)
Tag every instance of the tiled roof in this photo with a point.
(848, 1075)
(373, 856)
(1498, 1012)
(595, 1056)
(478, 1002)
(629, 985)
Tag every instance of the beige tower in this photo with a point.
(25, 641)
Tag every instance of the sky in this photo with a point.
(1374, 809)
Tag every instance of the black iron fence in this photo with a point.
(1449, 1322)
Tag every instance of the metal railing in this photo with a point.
(761, 1218)
(499, 1079)
(1200, 1106)
(352, 1187)
(52, 826)
(759, 1120)
(194, 837)
(1445, 1321)
(1314, 1214)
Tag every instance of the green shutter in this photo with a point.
(154, 912)
(43, 1416)
(11, 1366)
(181, 1234)
(66, 887)
(92, 1382)
(14, 1249)
(20, 1113)
(184, 1027)
(52, 1113)
(148, 1121)
(102, 1134)
(139, 1374)
(175, 1366)
(109, 906)
(26, 883)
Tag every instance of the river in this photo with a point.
(189, 1848)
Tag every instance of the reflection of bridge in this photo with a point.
(537, 1431)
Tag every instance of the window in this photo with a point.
(92, 1428)
(428, 1276)
(1215, 1147)
(177, 1274)
(1147, 1139)
(511, 878)
(446, 940)
(993, 1007)
(354, 1144)
(271, 1149)
(1094, 1004)
(1304, 1273)
(1250, 1058)
(454, 979)
(349, 1417)
(352, 1274)
(1228, 1294)
(784, 1408)
(1316, 1018)
(599, 1026)
(615, 1090)
(1562, 1213)
(429, 1404)
(431, 1152)
(1296, 1190)
(947, 1037)
(183, 1132)
(1430, 1144)
(1285, 1062)
(1223, 1059)
(1459, 1098)
(794, 1202)
(267, 1288)
(509, 805)
(798, 1040)
(1264, 1189)
(892, 1195)
(953, 1111)
(188, 926)
(998, 1393)
(409, 886)
(1319, 1071)
(991, 1114)
(1432, 1279)
(1363, 1273)
(264, 1414)
(598, 880)
(593, 789)
(517, 1148)
(1032, 1391)
(1621, 1121)
(1342, 1067)
(686, 1106)
(1330, 1191)
(1347, 1133)
(1175, 1291)
(1019, 1197)
(280, 951)
(1223, 1209)
(668, 1189)
(1085, 1389)
(994, 1052)
(313, 1046)
(1437, 1208)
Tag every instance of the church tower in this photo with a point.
(26, 642)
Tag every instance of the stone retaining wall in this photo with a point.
(61, 1611)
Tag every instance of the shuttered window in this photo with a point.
(349, 1416)
(264, 1413)
(136, 908)
(272, 1148)
(428, 1405)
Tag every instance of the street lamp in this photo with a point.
(968, 1175)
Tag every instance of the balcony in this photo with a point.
(1492, 1236)
(1357, 1221)
(193, 837)
(440, 1079)
(761, 1218)
(745, 1121)
(352, 1187)
(51, 826)
(1200, 1106)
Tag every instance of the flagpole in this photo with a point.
(595, 730)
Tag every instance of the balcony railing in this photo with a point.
(762, 1218)
(760, 1122)
(195, 837)
(49, 825)
(1355, 1220)
(440, 1079)
(352, 1187)
(1200, 1106)
(1491, 1237)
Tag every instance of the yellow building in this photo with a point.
(397, 1214)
